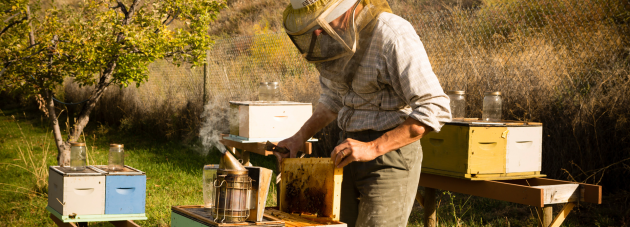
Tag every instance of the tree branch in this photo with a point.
(5, 29)
(122, 7)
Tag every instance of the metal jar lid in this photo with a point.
(77, 144)
(272, 83)
(116, 145)
(496, 93)
(452, 92)
(264, 83)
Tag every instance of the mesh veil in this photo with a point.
(334, 55)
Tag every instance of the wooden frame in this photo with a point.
(311, 179)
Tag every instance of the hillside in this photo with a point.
(244, 17)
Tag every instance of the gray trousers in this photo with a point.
(380, 192)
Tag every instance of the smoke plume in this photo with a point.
(215, 122)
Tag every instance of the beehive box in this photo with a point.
(74, 193)
(311, 186)
(484, 151)
(267, 120)
(197, 216)
(125, 190)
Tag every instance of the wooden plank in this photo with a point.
(560, 193)
(545, 214)
(589, 193)
(430, 209)
(489, 189)
(294, 220)
(61, 223)
(562, 215)
(258, 148)
(124, 223)
(420, 199)
(311, 185)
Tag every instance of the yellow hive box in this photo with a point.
(484, 150)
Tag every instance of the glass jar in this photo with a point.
(77, 156)
(458, 104)
(116, 157)
(209, 174)
(269, 91)
(492, 106)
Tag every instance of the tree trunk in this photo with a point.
(101, 87)
(63, 147)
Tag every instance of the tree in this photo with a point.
(97, 43)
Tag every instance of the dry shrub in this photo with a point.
(563, 63)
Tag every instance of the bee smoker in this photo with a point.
(233, 188)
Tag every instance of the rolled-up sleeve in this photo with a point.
(329, 97)
(413, 80)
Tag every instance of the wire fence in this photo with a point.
(564, 63)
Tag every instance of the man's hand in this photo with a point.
(293, 143)
(352, 150)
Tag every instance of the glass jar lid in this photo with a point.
(77, 144)
(211, 166)
(453, 92)
(116, 145)
(496, 93)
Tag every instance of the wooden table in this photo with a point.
(537, 192)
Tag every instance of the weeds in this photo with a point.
(35, 164)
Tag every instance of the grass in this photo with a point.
(174, 178)
(173, 170)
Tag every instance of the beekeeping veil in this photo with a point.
(335, 50)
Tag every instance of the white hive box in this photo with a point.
(76, 192)
(267, 120)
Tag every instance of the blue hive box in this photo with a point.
(125, 191)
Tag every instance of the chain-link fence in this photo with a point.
(564, 63)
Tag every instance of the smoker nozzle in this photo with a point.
(229, 162)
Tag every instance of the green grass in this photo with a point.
(173, 170)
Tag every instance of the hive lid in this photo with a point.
(270, 103)
(67, 171)
(475, 122)
(128, 170)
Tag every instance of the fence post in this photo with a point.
(206, 79)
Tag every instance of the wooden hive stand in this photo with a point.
(82, 220)
(537, 192)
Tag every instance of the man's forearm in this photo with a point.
(321, 117)
(408, 132)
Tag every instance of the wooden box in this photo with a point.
(484, 151)
(311, 186)
(267, 120)
(261, 178)
(74, 193)
(125, 190)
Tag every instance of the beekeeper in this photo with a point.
(377, 82)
